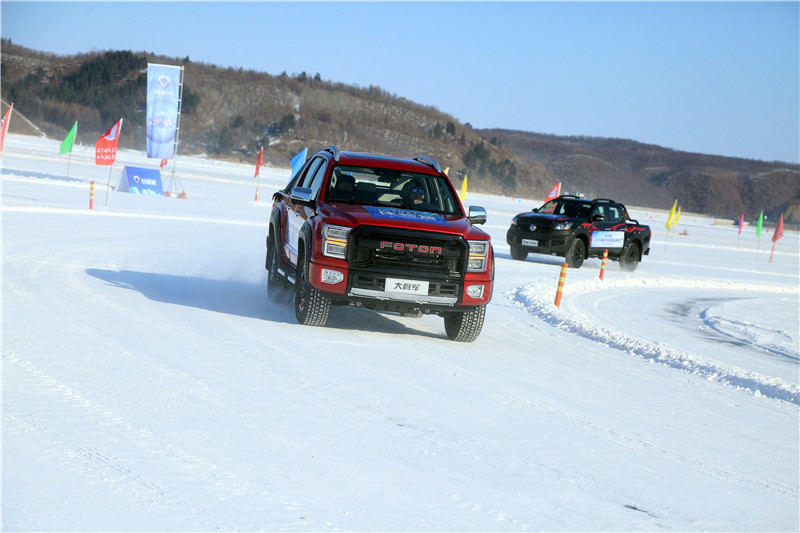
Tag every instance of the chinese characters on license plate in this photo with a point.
(406, 286)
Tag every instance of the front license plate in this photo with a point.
(530, 242)
(406, 286)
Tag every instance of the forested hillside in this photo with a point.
(229, 113)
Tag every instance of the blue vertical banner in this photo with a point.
(163, 99)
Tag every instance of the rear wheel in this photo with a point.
(518, 252)
(277, 285)
(576, 253)
(311, 307)
(465, 326)
(630, 257)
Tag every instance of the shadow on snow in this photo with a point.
(242, 299)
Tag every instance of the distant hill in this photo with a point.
(229, 113)
(648, 175)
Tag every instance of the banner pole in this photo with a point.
(108, 186)
(69, 158)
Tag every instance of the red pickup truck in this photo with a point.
(381, 232)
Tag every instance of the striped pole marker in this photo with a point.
(603, 268)
(91, 197)
(561, 280)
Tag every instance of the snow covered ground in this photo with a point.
(148, 384)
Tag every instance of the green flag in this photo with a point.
(66, 144)
(760, 221)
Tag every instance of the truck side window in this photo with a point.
(314, 181)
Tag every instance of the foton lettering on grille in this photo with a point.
(404, 247)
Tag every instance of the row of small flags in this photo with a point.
(105, 147)
(674, 216)
(106, 154)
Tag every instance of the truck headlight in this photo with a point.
(478, 256)
(563, 225)
(334, 240)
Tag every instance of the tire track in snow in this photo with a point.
(529, 297)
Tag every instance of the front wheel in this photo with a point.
(465, 326)
(576, 253)
(311, 307)
(630, 257)
(518, 252)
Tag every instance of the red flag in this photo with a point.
(105, 152)
(554, 193)
(778, 231)
(4, 126)
(164, 163)
(741, 223)
(260, 160)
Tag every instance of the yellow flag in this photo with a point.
(668, 225)
(677, 217)
(463, 194)
(447, 171)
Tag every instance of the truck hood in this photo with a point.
(395, 217)
(541, 216)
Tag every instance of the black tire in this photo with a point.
(576, 253)
(277, 285)
(518, 252)
(311, 307)
(630, 257)
(465, 326)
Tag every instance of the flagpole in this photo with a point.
(69, 158)
(108, 185)
(110, 168)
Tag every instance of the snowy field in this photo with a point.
(148, 384)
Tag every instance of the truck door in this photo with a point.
(297, 214)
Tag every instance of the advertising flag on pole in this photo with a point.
(105, 152)
(668, 225)
(463, 192)
(760, 223)
(555, 192)
(778, 231)
(775, 236)
(163, 100)
(4, 126)
(677, 217)
(298, 161)
(741, 223)
(66, 144)
(259, 161)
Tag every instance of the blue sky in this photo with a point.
(718, 77)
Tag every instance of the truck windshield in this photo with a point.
(569, 208)
(392, 188)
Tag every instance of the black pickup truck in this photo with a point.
(577, 229)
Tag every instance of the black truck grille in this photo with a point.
(395, 251)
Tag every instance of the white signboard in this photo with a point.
(608, 239)
(406, 286)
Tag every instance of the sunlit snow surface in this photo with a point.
(149, 385)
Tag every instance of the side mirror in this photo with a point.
(535, 210)
(477, 215)
(302, 196)
(598, 218)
